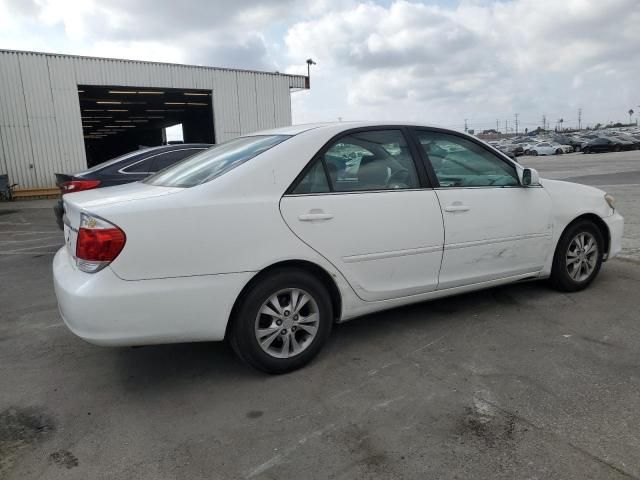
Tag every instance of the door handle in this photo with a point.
(312, 217)
(457, 207)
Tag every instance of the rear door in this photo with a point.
(494, 227)
(365, 205)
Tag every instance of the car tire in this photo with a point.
(559, 151)
(586, 150)
(578, 257)
(617, 148)
(526, 152)
(534, 153)
(260, 339)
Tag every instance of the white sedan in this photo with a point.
(269, 239)
(545, 148)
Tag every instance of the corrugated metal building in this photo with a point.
(46, 124)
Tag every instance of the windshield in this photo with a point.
(214, 161)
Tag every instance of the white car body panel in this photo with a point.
(190, 252)
(498, 236)
(572, 200)
(388, 255)
(106, 310)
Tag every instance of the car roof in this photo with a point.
(297, 129)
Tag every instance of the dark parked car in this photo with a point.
(130, 167)
(632, 142)
(603, 144)
(576, 143)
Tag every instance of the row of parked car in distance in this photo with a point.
(590, 141)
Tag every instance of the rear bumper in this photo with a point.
(103, 309)
(615, 223)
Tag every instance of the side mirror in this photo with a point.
(530, 177)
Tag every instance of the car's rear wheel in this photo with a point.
(586, 150)
(282, 321)
(559, 151)
(534, 153)
(578, 257)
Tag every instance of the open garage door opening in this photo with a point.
(117, 120)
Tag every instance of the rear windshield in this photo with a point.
(215, 161)
(102, 165)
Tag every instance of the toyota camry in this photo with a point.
(269, 239)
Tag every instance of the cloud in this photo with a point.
(446, 63)
(439, 61)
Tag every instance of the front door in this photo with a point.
(494, 227)
(363, 206)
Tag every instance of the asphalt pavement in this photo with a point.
(513, 382)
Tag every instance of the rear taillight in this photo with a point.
(78, 185)
(99, 243)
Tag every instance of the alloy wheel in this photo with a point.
(287, 323)
(582, 256)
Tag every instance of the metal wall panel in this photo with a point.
(265, 107)
(226, 118)
(15, 139)
(247, 102)
(282, 100)
(40, 124)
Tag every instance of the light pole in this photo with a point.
(309, 63)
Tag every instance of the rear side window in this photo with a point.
(363, 161)
(215, 161)
(315, 181)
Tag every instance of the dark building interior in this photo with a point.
(117, 119)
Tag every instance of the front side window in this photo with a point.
(459, 162)
(215, 161)
(371, 160)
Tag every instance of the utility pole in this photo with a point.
(516, 115)
(506, 126)
(544, 122)
(465, 125)
(580, 119)
(497, 125)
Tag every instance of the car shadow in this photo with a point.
(155, 365)
(427, 314)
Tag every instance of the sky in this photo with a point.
(438, 62)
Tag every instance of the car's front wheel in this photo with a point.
(578, 257)
(534, 153)
(282, 321)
